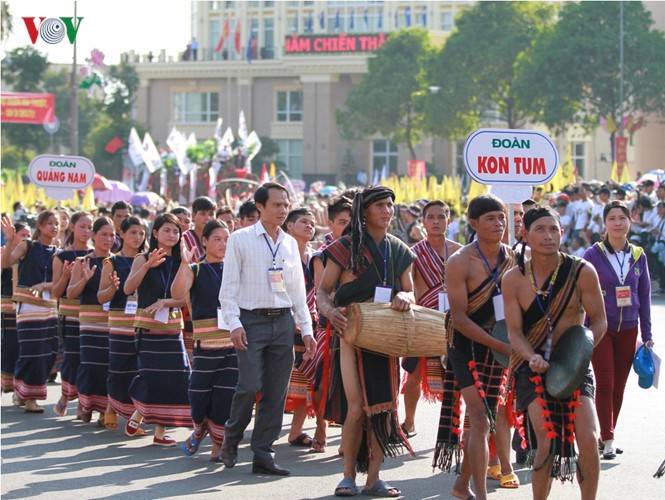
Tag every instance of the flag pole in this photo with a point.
(74, 103)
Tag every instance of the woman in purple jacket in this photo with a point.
(624, 279)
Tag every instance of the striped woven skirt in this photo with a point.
(123, 365)
(69, 326)
(160, 390)
(211, 390)
(93, 370)
(37, 332)
(8, 345)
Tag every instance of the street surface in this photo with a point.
(44, 456)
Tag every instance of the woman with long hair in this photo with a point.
(76, 245)
(94, 320)
(65, 226)
(9, 344)
(159, 391)
(624, 278)
(36, 313)
(215, 370)
(122, 352)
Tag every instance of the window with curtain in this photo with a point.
(289, 106)
(195, 107)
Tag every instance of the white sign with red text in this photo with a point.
(61, 175)
(505, 156)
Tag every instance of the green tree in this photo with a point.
(23, 71)
(114, 118)
(6, 23)
(387, 99)
(475, 70)
(572, 73)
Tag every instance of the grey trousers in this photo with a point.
(264, 367)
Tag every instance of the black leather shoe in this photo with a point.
(269, 468)
(229, 457)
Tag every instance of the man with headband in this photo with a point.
(473, 279)
(544, 297)
(368, 264)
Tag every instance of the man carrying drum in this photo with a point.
(545, 303)
(368, 263)
(473, 279)
(426, 374)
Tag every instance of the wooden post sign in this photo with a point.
(61, 175)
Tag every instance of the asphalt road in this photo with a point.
(44, 456)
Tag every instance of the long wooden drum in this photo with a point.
(376, 327)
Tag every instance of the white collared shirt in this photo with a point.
(245, 283)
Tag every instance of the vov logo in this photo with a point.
(53, 29)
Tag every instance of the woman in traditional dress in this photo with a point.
(77, 245)
(9, 344)
(36, 313)
(159, 391)
(94, 319)
(215, 370)
(122, 351)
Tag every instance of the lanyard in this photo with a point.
(211, 267)
(122, 254)
(544, 300)
(494, 274)
(45, 258)
(167, 280)
(384, 256)
(621, 263)
(273, 253)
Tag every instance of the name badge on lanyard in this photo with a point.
(220, 320)
(444, 305)
(276, 279)
(132, 305)
(383, 293)
(162, 315)
(623, 296)
(497, 301)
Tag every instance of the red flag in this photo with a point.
(237, 37)
(225, 35)
(113, 145)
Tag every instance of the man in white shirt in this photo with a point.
(262, 300)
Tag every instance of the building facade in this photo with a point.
(289, 65)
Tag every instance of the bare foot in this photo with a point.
(464, 495)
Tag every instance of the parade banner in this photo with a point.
(27, 107)
(504, 156)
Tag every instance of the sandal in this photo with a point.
(409, 433)
(346, 488)
(303, 441)
(382, 489)
(494, 472)
(86, 417)
(60, 408)
(317, 446)
(191, 446)
(509, 481)
(111, 420)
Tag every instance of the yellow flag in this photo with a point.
(476, 189)
(273, 172)
(614, 174)
(89, 199)
(625, 175)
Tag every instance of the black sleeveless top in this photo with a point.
(66, 256)
(6, 283)
(121, 265)
(204, 293)
(89, 293)
(157, 282)
(36, 267)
